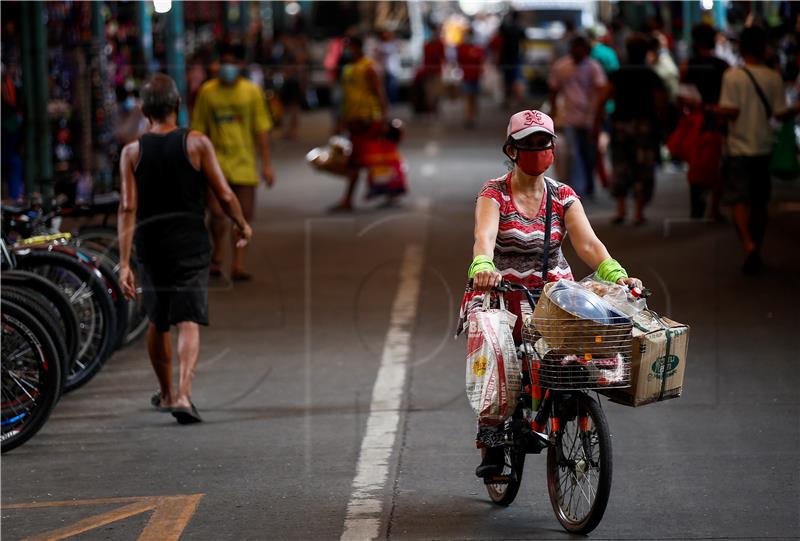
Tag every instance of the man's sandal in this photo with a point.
(186, 416)
(155, 401)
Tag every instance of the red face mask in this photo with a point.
(534, 162)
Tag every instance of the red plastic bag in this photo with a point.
(386, 171)
(683, 140)
(705, 160)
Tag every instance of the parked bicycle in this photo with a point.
(567, 422)
(39, 332)
(99, 242)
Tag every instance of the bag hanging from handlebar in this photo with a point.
(493, 369)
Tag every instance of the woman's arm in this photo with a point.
(585, 241)
(583, 238)
(487, 221)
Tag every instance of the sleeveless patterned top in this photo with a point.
(520, 240)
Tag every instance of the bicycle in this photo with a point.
(568, 423)
(99, 242)
(88, 294)
(31, 376)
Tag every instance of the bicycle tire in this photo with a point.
(35, 304)
(565, 472)
(504, 493)
(104, 240)
(98, 344)
(20, 327)
(99, 235)
(60, 303)
(106, 266)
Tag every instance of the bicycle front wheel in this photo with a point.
(579, 464)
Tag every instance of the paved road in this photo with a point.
(288, 368)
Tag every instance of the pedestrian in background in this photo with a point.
(290, 55)
(363, 113)
(12, 130)
(575, 82)
(510, 58)
(232, 111)
(704, 71)
(639, 108)
(470, 59)
(387, 54)
(750, 96)
(430, 74)
(165, 178)
(609, 61)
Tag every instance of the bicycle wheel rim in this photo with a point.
(31, 383)
(91, 324)
(98, 316)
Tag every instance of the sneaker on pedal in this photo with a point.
(492, 462)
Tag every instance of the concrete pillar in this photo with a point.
(145, 16)
(720, 14)
(176, 57)
(31, 170)
(41, 124)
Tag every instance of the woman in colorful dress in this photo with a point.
(510, 238)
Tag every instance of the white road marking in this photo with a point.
(364, 510)
(428, 170)
(432, 149)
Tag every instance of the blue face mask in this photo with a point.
(228, 73)
(129, 104)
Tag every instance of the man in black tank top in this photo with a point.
(165, 177)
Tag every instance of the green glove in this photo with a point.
(481, 263)
(610, 270)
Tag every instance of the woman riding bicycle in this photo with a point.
(511, 243)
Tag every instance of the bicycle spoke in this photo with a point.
(20, 383)
(83, 293)
(18, 353)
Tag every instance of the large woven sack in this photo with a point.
(493, 375)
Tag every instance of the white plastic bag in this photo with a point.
(493, 369)
(619, 296)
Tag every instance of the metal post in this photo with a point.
(44, 154)
(686, 8)
(28, 89)
(720, 14)
(176, 58)
(244, 15)
(145, 14)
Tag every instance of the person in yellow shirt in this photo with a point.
(363, 111)
(232, 112)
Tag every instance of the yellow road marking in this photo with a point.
(170, 516)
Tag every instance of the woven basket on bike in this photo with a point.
(575, 352)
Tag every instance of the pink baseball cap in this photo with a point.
(524, 123)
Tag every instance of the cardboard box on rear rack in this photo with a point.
(658, 361)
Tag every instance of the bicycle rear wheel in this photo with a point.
(60, 304)
(504, 491)
(31, 376)
(579, 464)
(92, 303)
(109, 268)
(40, 309)
(103, 241)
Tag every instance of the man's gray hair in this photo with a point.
(160, 97)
